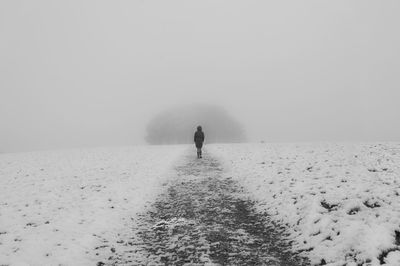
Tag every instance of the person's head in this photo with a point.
(199, 128)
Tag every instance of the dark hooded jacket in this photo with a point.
(199, 138)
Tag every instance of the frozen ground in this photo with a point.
(56, 207)
(340, 202)
(202, 218)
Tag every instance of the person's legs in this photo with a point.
(199, 146)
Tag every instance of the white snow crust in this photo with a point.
(339, 201)
(57, 206)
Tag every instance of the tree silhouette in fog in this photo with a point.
(177, 125)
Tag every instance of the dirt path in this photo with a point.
(204, 218)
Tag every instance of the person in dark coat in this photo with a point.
(199, 140)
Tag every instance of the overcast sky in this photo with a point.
(93, 73)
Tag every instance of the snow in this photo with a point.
(56, 207)
(339, 201)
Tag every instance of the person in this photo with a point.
(199, 140)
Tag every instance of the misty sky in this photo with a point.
(93, 73)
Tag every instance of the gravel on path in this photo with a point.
(204, 218)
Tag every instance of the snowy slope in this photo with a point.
(56, 207)
(340, 202)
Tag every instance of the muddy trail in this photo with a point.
(204, 218)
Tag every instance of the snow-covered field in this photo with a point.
(340, 202)
(56, 207)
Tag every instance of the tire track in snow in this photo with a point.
(204, 219)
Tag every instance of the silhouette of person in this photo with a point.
(199, 140)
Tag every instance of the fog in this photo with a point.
(175, 126)
(94, 73)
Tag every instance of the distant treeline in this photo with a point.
(177, 125)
